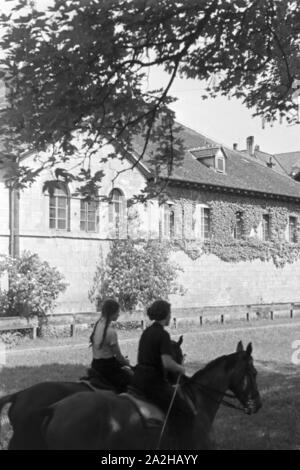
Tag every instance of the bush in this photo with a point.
(136, 273)
(11, 338)
(33, 285)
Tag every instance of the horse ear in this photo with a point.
(179, 342)
(240, 347)
(249, 349)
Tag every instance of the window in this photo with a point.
(292, 229)
(201, 222)
(238, 227)
(167, 225)
(88, 215)
(266, 227)
(205, 223)
(59, 208)
(117, 213)
(220, 164)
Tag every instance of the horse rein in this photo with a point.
(222, 401)
(168, 412)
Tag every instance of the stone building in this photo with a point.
(232, 218)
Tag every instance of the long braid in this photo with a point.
(109, 307)
(91, 339)
(107, 322)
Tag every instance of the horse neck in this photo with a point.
(209, 388)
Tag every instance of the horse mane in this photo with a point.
(230, 360)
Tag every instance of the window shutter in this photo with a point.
(198, 221)
(188, 215)
(287, 231)
(123, 219)
(166, 221)
(178, 221)
(105, 212)
(154, 213)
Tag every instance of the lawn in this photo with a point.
(276, 426)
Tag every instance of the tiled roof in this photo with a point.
(265, 159)
(242, 171)
(289, 160)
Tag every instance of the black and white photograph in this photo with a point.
(149, 228)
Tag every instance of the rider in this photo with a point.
(108, 360)
(154, 360)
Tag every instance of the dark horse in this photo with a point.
(26, 428)
(103, 420)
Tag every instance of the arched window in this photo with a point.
(59, 207)
(117, 213)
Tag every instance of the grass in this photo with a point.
(276, 426)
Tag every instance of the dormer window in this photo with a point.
(211, 157)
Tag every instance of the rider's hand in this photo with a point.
(126, 362)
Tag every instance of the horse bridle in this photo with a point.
(226, 403)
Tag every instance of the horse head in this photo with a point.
(243, 380)
(178, 356)
(177, 353)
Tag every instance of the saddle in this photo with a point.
(151, 415)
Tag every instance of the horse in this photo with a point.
(103, 420)
(26, 429)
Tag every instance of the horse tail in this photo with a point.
(4, 401)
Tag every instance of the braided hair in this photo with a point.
(109, 308)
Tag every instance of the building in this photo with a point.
(290, 161)
(233, 218)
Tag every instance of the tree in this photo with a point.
(136, 273)
(80, 68)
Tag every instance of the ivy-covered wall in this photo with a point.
(223, 209)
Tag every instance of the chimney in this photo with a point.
(235, 146)
(256, 148)
(250, 142)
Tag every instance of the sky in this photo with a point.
(226, 121)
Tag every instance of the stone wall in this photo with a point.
(210, 281)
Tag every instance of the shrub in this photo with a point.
(11, 338)
(136, 273)
(33, 285)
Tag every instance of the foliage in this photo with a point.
(249, 247)
(33, 285)
(11, 338)
(136, 273)
(81, 66)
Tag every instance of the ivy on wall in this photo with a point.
(249, 247)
